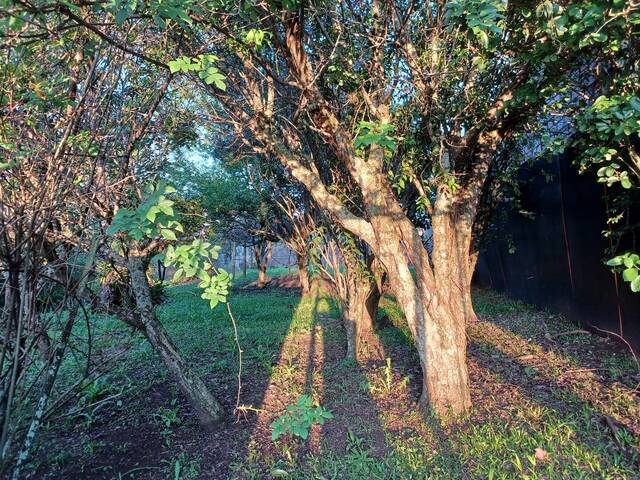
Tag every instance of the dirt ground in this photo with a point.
(527, 369)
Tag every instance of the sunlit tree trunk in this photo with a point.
(437, 321)
(358, 312)
(430, 295)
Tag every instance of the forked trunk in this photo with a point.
(430, 300)
(206, 407)
(439, 333)
(303, 274)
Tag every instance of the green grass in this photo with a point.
(532, 393)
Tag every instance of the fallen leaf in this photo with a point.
(541, 454)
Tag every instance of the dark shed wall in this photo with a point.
(558, 258)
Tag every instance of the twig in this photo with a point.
(620, 337)
(235, 335)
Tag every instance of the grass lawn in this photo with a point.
(547, 404)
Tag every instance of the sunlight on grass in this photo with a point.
(539, 405)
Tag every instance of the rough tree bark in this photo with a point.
(432, 290)
(358, 312)
(430, 298)
(207, 408)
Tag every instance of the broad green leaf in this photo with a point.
(629, 274)
(168, 234)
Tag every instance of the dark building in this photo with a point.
(555, 258)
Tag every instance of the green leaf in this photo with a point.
(278, 472)
(630, 274)
(174, 66)
(615, 261)
(168, 234)
(151, 214)
(483, 38)
(179, 273)
(635, 284)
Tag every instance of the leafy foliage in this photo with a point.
(196, 260)
(257, 37)
(611, 123)
(629, 263)
(203, 65)
(299, 418)
(151, 219)
(372, 133)
(484, 18)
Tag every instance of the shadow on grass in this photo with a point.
(519, 405)
(152, 428)
(312, 362)
(294, 346)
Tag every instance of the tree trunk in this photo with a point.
(430, 298)
(53, 364)
(469, 310)
(371, 304)
(303, 274)
(358, 312)
(262, 253)
(207, 408)
(438, 328)
(162, 271)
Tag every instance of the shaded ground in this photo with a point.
(547, 404)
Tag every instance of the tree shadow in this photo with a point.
(399, 347)
(347, 391)
(555, 335)
(137, 439)
(546, 376)
(577, 415)
(312, 361)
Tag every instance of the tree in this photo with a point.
(239, 211)
(69, 130)
(139, 232)
(406, 96)
(294, 228)
(348, 265)
(444, 89)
